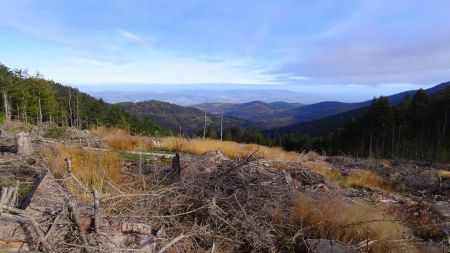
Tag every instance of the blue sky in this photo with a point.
(349, 49)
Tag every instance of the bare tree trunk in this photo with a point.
(398, 140)
(5, 101)
(18, 111)
(445, 123)
(40, 111)
(393, 141)
(221, 128)
(78, 115)
(25, 113)
(370, 146)
(376, 147)
(204, 126)
(40, 105)
(362, 146)
(70, 108)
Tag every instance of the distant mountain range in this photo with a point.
(274, 118)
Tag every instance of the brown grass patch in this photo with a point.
(444, 173)
(94, 169)
(324, 169)
(118, 139)
(351, 223)
(364, 178)
(230, 149)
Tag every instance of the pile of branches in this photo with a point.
(240, 206)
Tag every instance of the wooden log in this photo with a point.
(30, 194)
(4, 195)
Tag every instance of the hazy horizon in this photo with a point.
(140, 92)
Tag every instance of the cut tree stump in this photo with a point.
(24, 146)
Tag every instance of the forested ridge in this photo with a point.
(33, 99)
(417, 128)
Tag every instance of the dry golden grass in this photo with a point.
(118, 139)
(230, 149)
(444, 173)
(324, 169)
(94, 169)
(332, 218)
(364, 178)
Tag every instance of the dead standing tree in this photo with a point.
(5, 100)
(221, 128)
(204, 126)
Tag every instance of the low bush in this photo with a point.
(56, 132)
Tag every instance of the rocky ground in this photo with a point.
(209, 203)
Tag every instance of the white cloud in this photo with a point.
(140, 40)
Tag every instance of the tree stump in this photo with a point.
(24, 146)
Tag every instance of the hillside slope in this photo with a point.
(171, 116)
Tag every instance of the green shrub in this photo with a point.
(57, 132)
